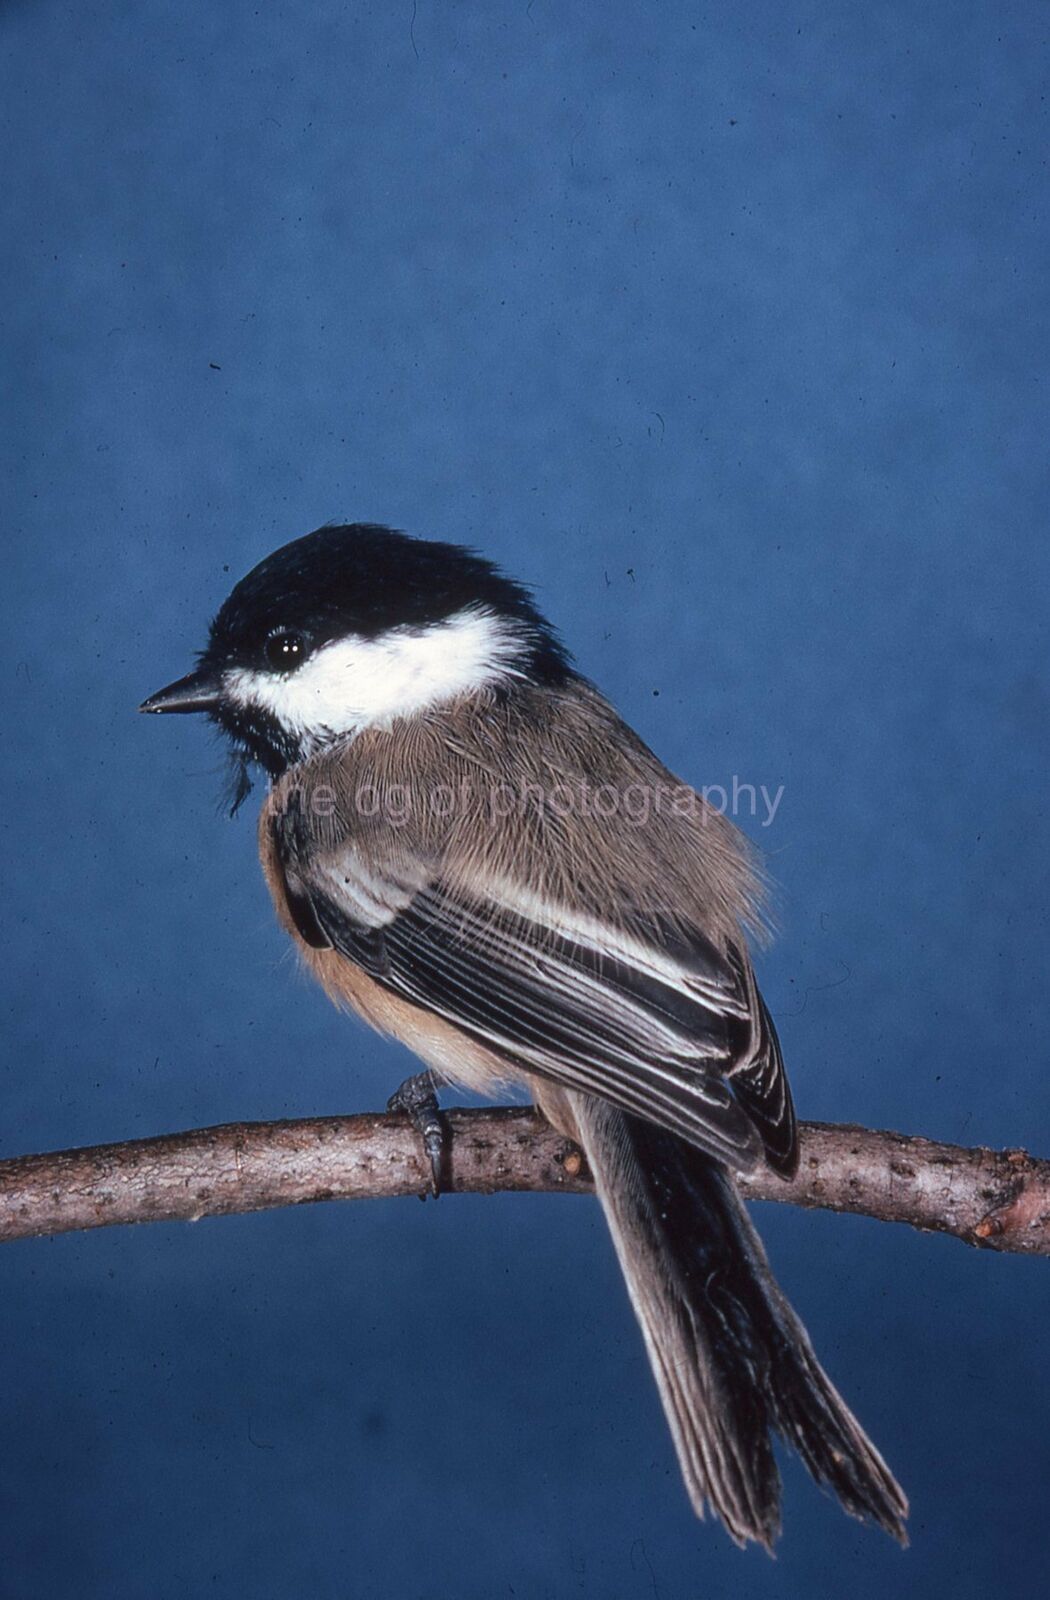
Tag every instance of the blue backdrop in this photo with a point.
(725, 326)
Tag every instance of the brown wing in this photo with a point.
(664, 1029)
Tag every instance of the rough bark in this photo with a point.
(998, 1200)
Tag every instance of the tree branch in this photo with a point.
(997, 1200)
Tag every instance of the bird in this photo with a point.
(474, 853)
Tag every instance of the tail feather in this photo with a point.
(732, 1360)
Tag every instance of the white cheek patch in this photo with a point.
(356, 683)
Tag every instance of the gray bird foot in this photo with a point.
(417, 1100)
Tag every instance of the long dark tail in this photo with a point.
(731, 1359)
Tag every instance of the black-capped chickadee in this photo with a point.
(477, 855)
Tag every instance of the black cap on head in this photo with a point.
(356, 581)
(364, 579)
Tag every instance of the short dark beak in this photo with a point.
(198, 691)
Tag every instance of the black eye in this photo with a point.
(285, 650)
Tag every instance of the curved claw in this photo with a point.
(417, 1099)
